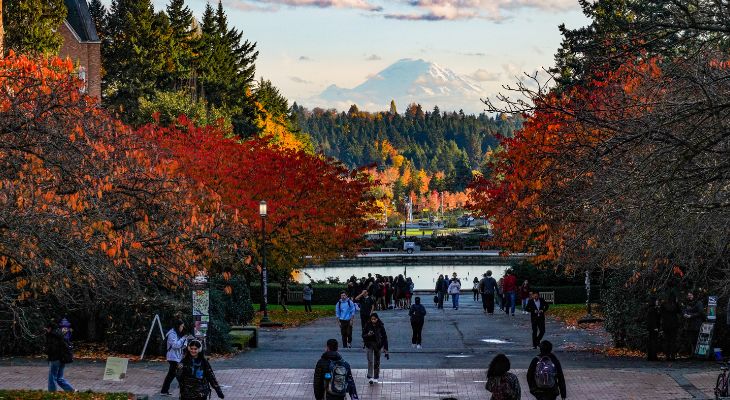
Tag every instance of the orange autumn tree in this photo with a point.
(91, 215)
(317, 208)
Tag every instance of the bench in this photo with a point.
(365, 249)
(472, 248)
(444, 248)
(548, 296)
(384, 249)
(294, 296)
(244, 336)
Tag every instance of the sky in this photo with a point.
(307, 45)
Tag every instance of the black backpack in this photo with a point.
(66, 351)
(337, 384)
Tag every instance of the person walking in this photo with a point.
(367, 306)
(59, 353)
(524, 295)
(175, 343)
(670, 313)
(510, 287)
(545, 375)
(333, 376)
(196, 376)
(694, 315)
(445, 286)
(307, 293)
(537, 306)
(418, 317)
(503, 384)
(345, 311)
(475, 289)
(376, 341)
(488, 286)
(499, 294)
(455, 291)
(653, 324)
(439, 292)
(284, 293)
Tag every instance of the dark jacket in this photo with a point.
(196, 377)
(488, 285)
(670, 316)
(374, 336)
(439, 285)
(535, 311)
(559, 388)
(366, 305)
(653, 318)
(696, 313)
(322, 367)
(417, 312)
(56, 346)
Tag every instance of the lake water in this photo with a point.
(424, 276)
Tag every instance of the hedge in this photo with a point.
(571, 294)
(323, 293)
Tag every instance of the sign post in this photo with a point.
(201, 307)
(116, 369)
(704, 340)
(712, 308)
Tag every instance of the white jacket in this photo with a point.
(455, 287)
(175, 346)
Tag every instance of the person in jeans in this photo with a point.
(345, 311)
(376, 340)
(59, 354)
(524, 295)
(475, 289)
(542, 393)
(455, 291)
(307, 293)
(510, 287)
(320, 382)
(503, 384)
(418, 317)
(537, 306)
(175, 343)
(488, 287)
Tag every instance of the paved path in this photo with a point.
(458, 346)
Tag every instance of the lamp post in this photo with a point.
(264, 277)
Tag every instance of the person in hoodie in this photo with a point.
(376, 340)
(195, 375)
(59, 354)
(551, 365)
(320, 382)
(175, 345)
(418, 317)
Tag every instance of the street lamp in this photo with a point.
(264, 277)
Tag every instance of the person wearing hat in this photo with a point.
(175, 345)
(59, 354)
(195, 375)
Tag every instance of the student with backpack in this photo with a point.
(376, 340)
(545, 374)
(60, 353)
(345, 311)
(418, 317)
(488, 287)
(196, 376)
(174, 345)
(333, 376)
(503, 384)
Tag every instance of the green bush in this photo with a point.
(571, 294)
(323, 294)
(623, 309)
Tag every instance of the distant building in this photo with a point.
(82, 45)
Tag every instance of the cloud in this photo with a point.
(297, 79)
(373, 57)
(304, 58)
(474, 54)
(483, 75)
(438, 10)
(352, 4)
(376, 77)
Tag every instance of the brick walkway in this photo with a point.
(395, 384)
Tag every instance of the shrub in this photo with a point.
(623, 308)
(323, 294)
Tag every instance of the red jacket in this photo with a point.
(510, 283)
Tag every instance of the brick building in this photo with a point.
(82, 45)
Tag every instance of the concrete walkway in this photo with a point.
(458, 346)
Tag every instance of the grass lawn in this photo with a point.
(569, 314)
(43, 395)
(296, 315)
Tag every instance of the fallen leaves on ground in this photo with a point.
(570, 314)
(43, 395)
(294, 318)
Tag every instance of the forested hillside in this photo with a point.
(433, 141)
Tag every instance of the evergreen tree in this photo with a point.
(99, 15)
(393, 109)
(31, 26)
(182, 43)
(135, 55)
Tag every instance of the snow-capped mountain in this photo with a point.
(407, 81)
